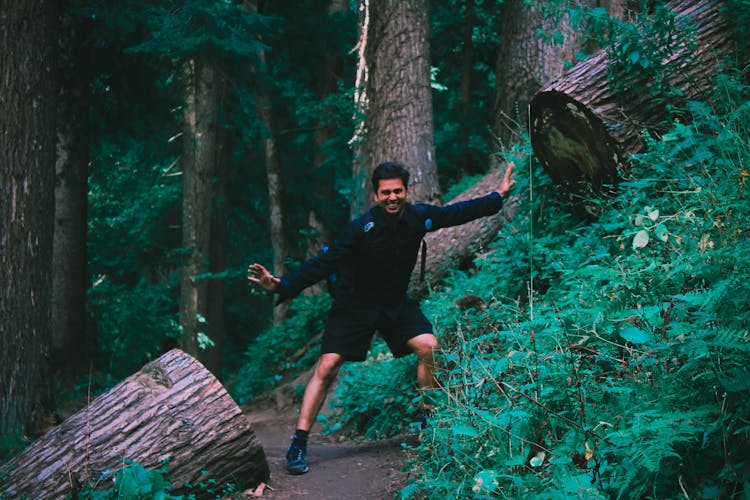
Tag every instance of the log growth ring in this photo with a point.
(572, 144)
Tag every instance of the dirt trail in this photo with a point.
(339, 469)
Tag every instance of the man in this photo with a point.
(371, 262)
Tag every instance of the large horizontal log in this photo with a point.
(172, 410)
(584, 126)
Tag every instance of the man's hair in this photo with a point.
(390, 170)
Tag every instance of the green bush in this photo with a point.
(377, 398)
(134, 254)
(283, 350)
(135, 482)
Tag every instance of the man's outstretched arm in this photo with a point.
(311, 271)
(462, 212)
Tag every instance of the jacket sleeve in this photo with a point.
(460, 213)
(322, 265)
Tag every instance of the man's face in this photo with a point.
(391, 196)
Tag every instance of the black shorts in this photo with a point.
(351, 325)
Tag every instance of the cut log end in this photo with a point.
(587, 125)
(572, 144)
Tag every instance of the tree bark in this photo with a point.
(358, 142)
(274, 174)
(449, 247)
(275, 178)
(584, 128)
(71, 345)
(323, 191)
(215, 310)
(172, 409)
(467, 83)
(28, 39)
(198, 167)
(399, 123)
(526, 62)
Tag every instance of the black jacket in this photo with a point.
(373, 258)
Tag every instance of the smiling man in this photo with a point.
(369, 266)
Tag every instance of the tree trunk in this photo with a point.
(360, 189)
(623, 9)
(584, 126)
(467, 84)
(275, 188)
(273, 170)
(449, 247)
(323, 191)
(399, 101)
(172, 409)
(215, 313)
(28, 37)
(199, 159)
(71, 346)
(526, 62)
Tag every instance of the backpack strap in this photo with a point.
(424, 260)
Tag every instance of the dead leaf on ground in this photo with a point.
(257, 492)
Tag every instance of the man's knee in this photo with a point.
(328, 367)
(424, 345)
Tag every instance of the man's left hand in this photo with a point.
(507, 181)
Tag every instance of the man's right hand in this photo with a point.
(260, 275)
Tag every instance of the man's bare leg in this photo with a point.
(324, 374)
(424, 346)
(317, 388)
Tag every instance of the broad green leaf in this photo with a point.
(661, 232)
(158, 485)
(737, 380)
(560, 460)
(641, 239)
(558, 37)
(465, 430)
(635, 335)
(133, 481)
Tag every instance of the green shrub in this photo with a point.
(134, 255)
(283, 350)
(135, 482)
(377, 398)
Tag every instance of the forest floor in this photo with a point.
(340, 467)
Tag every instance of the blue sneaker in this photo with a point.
(296, 462)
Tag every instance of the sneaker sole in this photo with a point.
(298, 472)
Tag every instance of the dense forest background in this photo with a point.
(152, 149)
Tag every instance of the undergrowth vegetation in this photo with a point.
(282, 350)
(606, 359)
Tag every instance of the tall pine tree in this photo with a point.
(28, 31)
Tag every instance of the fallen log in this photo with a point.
(585, 126)
(173, 410)
(449, 246)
